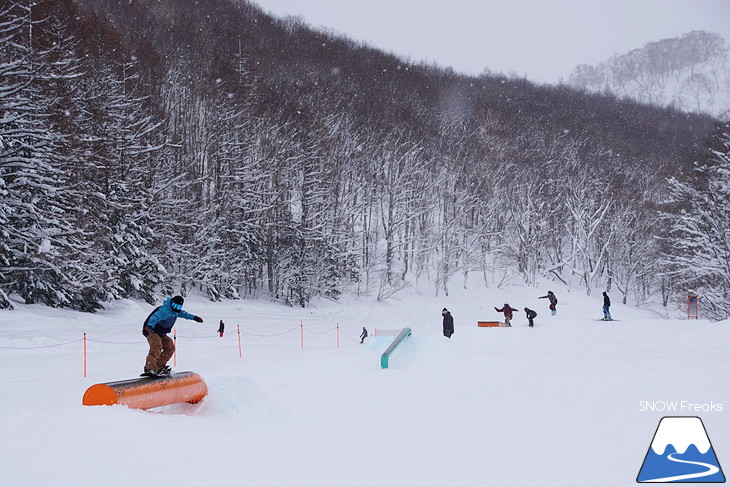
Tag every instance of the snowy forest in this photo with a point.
(159, 146)
(691, 73)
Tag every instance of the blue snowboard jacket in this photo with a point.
(163, 318)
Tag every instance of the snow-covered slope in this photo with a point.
(556, 405)
(690, 73)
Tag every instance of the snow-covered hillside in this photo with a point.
(690, 73)
(562, 404)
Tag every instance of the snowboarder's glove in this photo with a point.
(198, 319)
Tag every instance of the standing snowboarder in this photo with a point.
(553, 302)
(606, 306)
(530, 316)
(363, 335)
(507, 310)
(156, 327)
(221, 328)
(448, 323)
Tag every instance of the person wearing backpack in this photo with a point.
(553, 302)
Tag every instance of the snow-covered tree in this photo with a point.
(121, 166)
(701, 230)
(39, 243)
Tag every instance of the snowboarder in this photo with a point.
(530, 316)
(507, 310)
(448, 323)
(156, 327)
(606, 306)
(363, 335)
(553, 302)
(221, 328)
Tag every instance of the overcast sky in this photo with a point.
(540, 39)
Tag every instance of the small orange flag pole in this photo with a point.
(240, 351)
(84, 354)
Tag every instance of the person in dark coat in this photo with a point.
(448, 323)
(507, 310)
(363, 335)
(221, 328)
(530, 316)
(606, 306)
(553, 302)
(156, 327)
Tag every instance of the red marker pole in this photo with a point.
(84, 354)
(240, 352)
(338, 335)
(301, 332)
(692, 309)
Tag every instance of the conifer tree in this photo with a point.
(38, 238)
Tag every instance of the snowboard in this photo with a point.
(152, 375)
(603, 319)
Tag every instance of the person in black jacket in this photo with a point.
(221, 328)
(363, 335)
(606, 306)
(448, 323)
(530, 316)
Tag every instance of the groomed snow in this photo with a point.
(563, 404)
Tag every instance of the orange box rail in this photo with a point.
(486, 324)
(147, 393)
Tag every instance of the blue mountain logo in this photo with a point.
(681, 452)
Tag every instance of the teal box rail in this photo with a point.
(386, 355)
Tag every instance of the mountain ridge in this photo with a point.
(690, 73)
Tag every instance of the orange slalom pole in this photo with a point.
(240, 352)
(84, 354)
(146, 393)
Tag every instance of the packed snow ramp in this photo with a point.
(398, 340)
(147, 393)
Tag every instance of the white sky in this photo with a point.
(543, 40)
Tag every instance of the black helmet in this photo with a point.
(177, 302)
